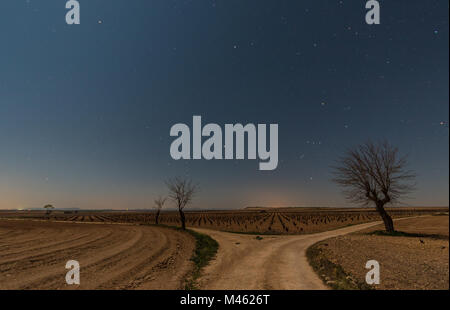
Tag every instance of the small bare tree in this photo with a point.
(181, 191)
(159, 202)
(48, 209)
(374, 173)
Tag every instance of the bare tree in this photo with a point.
(181, 191)
(374, 173)
(48, 209)
(159, 202)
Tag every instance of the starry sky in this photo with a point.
(85, 110)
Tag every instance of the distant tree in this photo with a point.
(159, 202)
(48, 209)
(374, 173)
(181, 191)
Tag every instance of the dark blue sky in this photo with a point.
(85, 110)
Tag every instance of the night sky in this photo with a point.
(85, 110)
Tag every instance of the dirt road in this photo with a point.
(33, 255)
(275, 262)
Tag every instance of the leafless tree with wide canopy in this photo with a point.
(374, 173)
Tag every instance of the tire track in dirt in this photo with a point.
(90, 261)
(26, 258)
(36, 244)
(111, 256)
(166, 264)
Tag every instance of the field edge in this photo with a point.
(331, 274)
(205, 250)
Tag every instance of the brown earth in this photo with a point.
(431, 225)
(33, 255)
(271, 261)
(265, 262)
(287, 221)
(414, 261)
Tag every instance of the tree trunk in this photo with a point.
(183, 219)
(157, 217)
(388, 223)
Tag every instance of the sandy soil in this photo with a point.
(33, 255)
(405, 262)
(274, 262)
